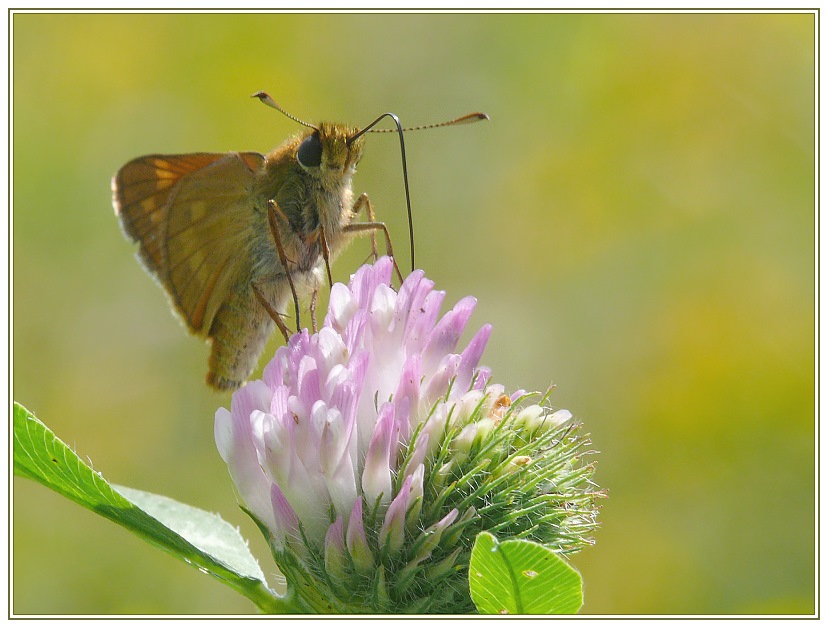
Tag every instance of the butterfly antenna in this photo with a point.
(266, 99)
(466, 119)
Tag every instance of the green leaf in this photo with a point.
(207, 531)
(521, 577)
(197, 537)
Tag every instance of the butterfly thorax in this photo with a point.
(309, 177)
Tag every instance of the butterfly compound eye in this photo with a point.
(310, 151)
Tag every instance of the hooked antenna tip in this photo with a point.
(471, 117)
(265, 98)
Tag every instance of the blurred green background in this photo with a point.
(637, 221)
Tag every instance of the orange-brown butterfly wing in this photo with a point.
(191, 215)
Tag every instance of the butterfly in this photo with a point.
(233, 238)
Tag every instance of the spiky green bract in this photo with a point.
(523, 482)
(514, 481)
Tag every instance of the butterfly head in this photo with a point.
(326, 151)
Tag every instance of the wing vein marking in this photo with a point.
(180, 290)
(201, 306)
(219, 237)
(151, 179)
(193, 223)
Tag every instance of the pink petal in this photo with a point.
(275, 369)
(376, 478)
(407, 396)
(381, 311)
(410, 304)
(234, 440)
(447, 333)
(286, 522)
(471, 356)
(421, 322)
(308, 380)
(335, 536)
(329, 350)
(415, 497)
(407, 290)
(279, 401)
(438, 384)
(341, 307)
(418, 453)
(481, 377)
(435, 427)
(335, 560)
(517, 395)
(433, 534)
(356, 542)
(392, 532)
(383, 269)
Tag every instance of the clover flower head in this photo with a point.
(372, 452)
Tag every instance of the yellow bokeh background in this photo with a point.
(637, 221)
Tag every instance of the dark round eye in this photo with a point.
(310, 151)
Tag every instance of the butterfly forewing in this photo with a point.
(141, 191)
(191, 216)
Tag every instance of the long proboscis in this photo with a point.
(399, 130)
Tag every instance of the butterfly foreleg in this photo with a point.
(364, 201)
(373, 227)
(273, 211)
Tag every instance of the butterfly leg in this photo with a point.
(364, 201)
(277, 318)
(373, 227)
(274, 209)
(326, 255)
(312, 308)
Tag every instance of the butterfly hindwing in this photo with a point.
(191, 215)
